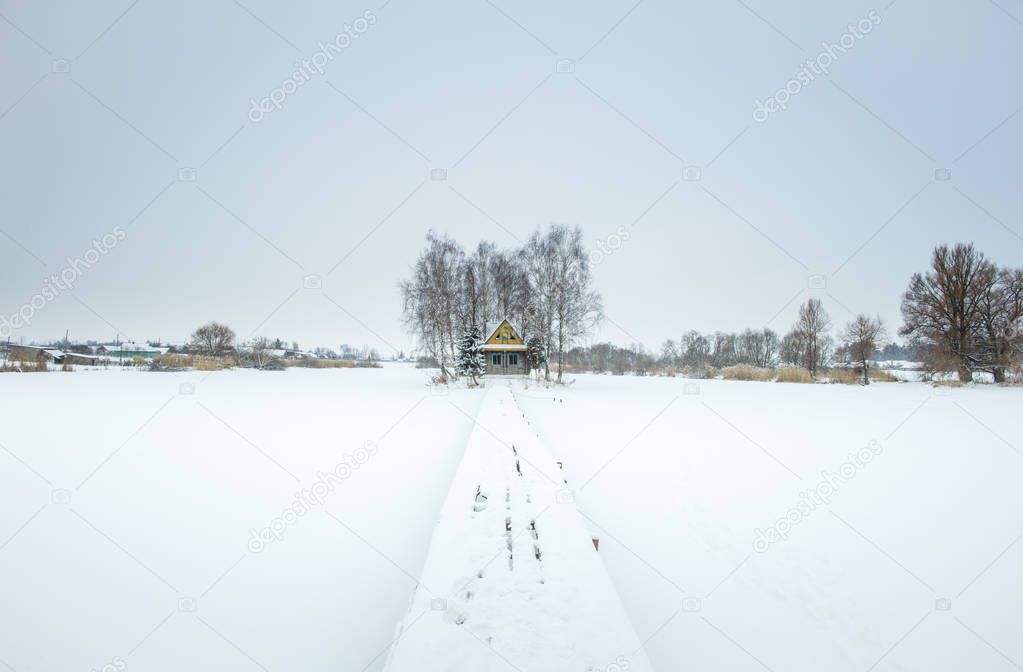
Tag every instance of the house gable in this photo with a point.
(504, 334)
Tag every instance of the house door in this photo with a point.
(497, 360)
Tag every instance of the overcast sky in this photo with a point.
(136, 118)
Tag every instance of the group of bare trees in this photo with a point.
(965, 313)
(545, 288)
(695, 350)
(808, 344)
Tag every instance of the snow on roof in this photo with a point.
(129, 346)
(503, 346)
(81, 355)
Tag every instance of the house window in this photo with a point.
(513, 359)
(495, 359)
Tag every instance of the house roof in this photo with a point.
(79, 355)
(494, 326)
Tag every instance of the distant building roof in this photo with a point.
(134, 347)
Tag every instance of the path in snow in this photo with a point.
(512, 581)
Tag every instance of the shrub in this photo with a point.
(792, 374)
(705, 372)
(261, 360)
(427, 363)
(747, 372)
(947, 383)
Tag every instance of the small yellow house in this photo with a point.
(504, 350)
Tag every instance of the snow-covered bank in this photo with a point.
(911, 563)
(128, 502)
(512, 580)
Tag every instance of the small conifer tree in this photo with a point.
(470, 358)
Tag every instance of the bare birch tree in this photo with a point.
(432, 300)
(577, 307)
(812, 329)
(861, 338)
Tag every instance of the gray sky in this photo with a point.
(106, 106)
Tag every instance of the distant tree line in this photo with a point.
(963, 315)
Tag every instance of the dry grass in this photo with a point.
(171, 362)
(792, 374)
(38, 366)
(747, 372)
(947, 383)
(210, 363)
(854, 377)
(173, 359)
(330, 364)
(882, 376)
(837, 376)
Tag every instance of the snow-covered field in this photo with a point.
(151, 521)
(677, 477)
(131, 507)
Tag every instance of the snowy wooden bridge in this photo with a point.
(512, 580)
